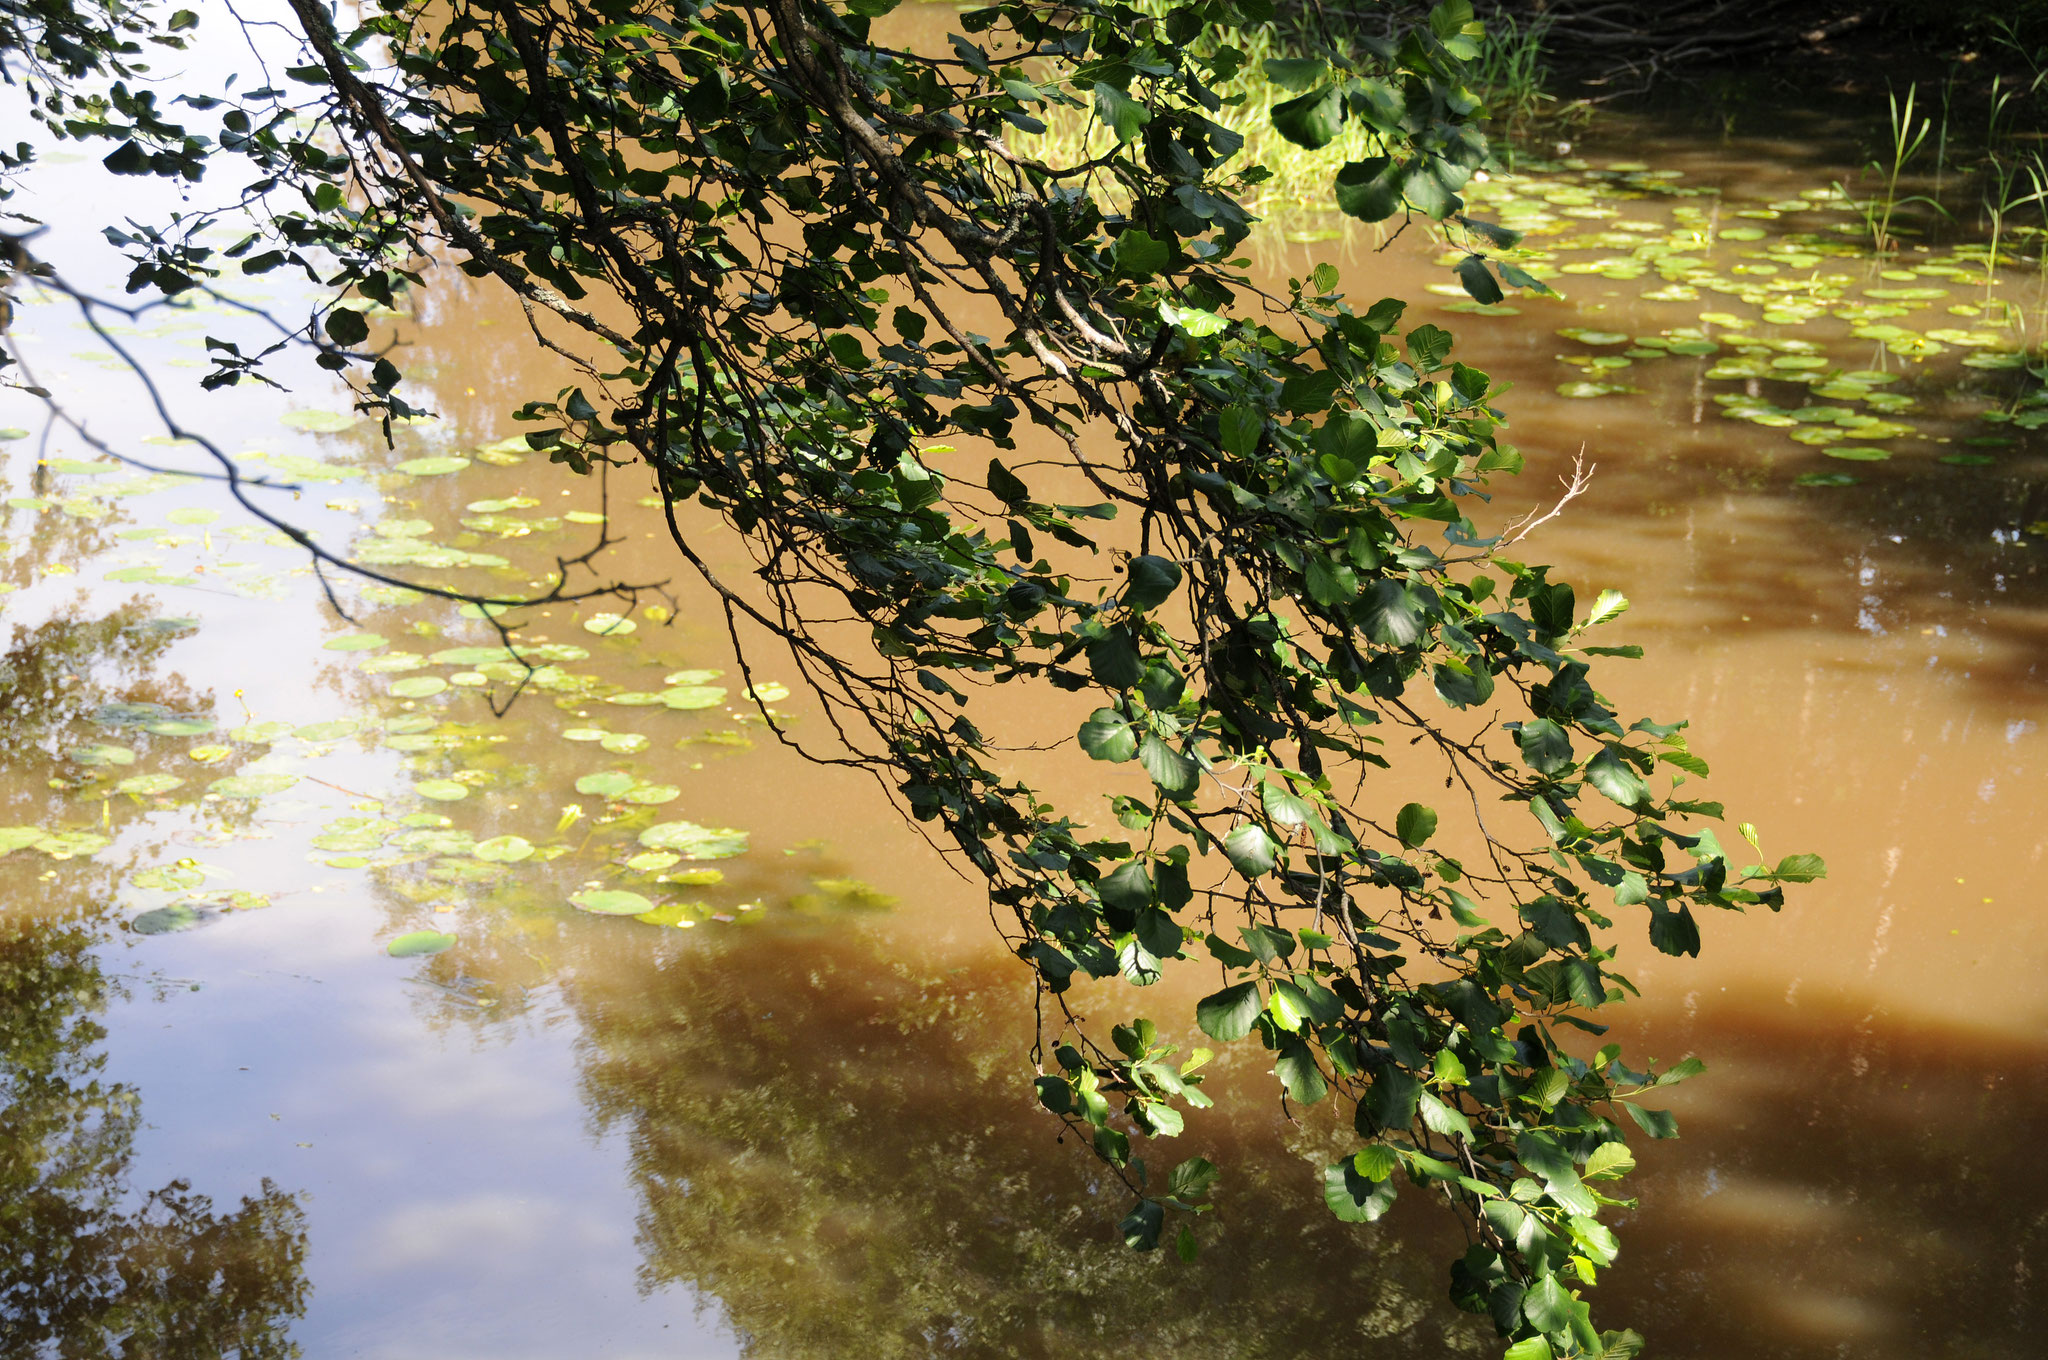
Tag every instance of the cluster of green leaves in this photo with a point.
(1241, 520)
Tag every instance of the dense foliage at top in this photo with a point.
(800, 267)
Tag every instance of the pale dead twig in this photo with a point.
(1574, 487)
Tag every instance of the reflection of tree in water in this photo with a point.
(57, 674)
(85, 1269)
(839, 1152)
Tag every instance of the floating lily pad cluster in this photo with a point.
(1855, 357)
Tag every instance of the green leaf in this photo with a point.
(1113, 659)
(1546, 747)
(1609, 1162)
(1177, 775)
(1298, 1073)
(1141, 1226)
(1230, 1013)
(1611, 604)
(1800, 868)
(1127, 887)
(1240, 428)
(1354, 1198)
(1139, 254)
(1368, 190)
(1415, 824)
(1250, 850)
(1106, 736)
(1313, 120)
(1295, 73)
(1616, 778)
(1548, 1305)
(1656, 1123)
(347, 328)
(1150, 580)
(1123, 114)
(1429, 346)
(1478, 280)
(1193, 1178)
(1533, 1348)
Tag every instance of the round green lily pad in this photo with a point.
(193, 514)
(145, 785)
(692, 841)
(418, 942)
(320, 422)
(1859, 454)
(686, 697)
(14, 838)
(327, 731)
(649, 795)
(651, 861)
(623, 743)
(252, 785)
(585, 734)
(442, 790)
(179, 727)
(606, 783)
(504, 849)
(768, 692)
(611, 902)
(103, 755)
(696, 677)
(432, 467)
(418, 686)
(609, 625)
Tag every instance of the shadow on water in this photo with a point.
(835, 1148)
(89, 1267)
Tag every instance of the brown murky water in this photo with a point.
(789, 1118)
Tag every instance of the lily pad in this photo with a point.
(252, 785)
(14, 838)
(418, 686)
(165, 920)
(768, 692)
(179, 727)
(650, 795)
(320, 422)
(146, 785)
(609, 625)
(73, 844)
(653, 861)
(209, 755)
(687, 697)
(623, 743)
(103, 755)
(356, 642)
(442, 790)
(681, 915)
(611, 902)
(327, 731)
(692, 841)
(1592, 337)
(432, 467)
(585, 734)
(418, 942)
(193, 514)
(635, 699)
(262, 733)
(1859, 454)
(606, 783)
(696, 677)
(504, 849)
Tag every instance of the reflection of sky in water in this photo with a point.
(499, 1146)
